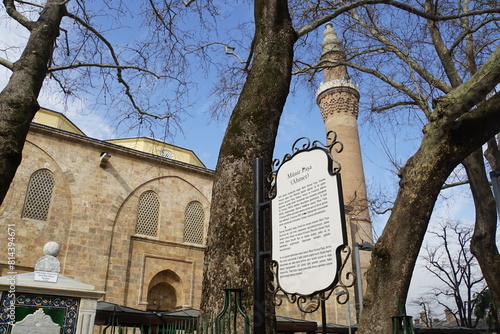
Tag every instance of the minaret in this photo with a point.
(338, 99)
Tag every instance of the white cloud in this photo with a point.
(92, 123)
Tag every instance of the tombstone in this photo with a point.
(36, 323)
(44, 301)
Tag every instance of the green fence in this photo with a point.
(229, 321)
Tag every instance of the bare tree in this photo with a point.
(448, 258)
(426, 315)
(455, 124)
(383, 48)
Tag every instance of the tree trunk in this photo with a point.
(251, 133)
(18, 100)
(396, 251)
(483, 243)
(448, 139)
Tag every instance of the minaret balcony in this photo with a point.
(335, 84)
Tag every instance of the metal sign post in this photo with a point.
(260, 204)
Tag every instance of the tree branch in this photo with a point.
(419, 100)
(469, 43)
(10, 7)
(118, 67)
(5, 63)
(440, 47)
(229, 50)
(470, 31)
(31, 3)
(122, 67)
(457, 106)
(394, 105)
(401, 5)
(455, 184)
(390, 47)
(168, 27)
(492, 154)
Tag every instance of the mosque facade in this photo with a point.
(130, 215)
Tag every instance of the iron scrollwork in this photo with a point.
(304, 144)
(311, 303)
(345, 280)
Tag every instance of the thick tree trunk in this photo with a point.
(483, 243)
(448, 139)
(396, 251)
(18, 100)
(251, 133)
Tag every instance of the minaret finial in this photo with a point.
(331, 42)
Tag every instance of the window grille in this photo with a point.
(167, 154)
(39, 194)
(147, 214)
(193, 223)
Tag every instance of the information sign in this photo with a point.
(308, 223)
(45, 276)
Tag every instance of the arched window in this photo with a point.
(39, 194)
(148, 211)
(193, 223)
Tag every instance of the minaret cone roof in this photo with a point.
(331, 42)
(335, 77)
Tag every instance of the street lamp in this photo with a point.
(495, 183)
(365, 246)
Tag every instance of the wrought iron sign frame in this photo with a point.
(343, 280)
(311, 303)
(304, 144)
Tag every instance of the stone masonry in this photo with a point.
(93, 215)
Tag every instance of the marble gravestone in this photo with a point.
(36, 323)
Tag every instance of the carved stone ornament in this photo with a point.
(36, 323)
(49, 262)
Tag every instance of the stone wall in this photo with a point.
(93, 214)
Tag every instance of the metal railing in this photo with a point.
(230, 320)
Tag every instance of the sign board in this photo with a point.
(46, 276)
(308, 223)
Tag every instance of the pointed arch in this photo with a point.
(163, 291)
